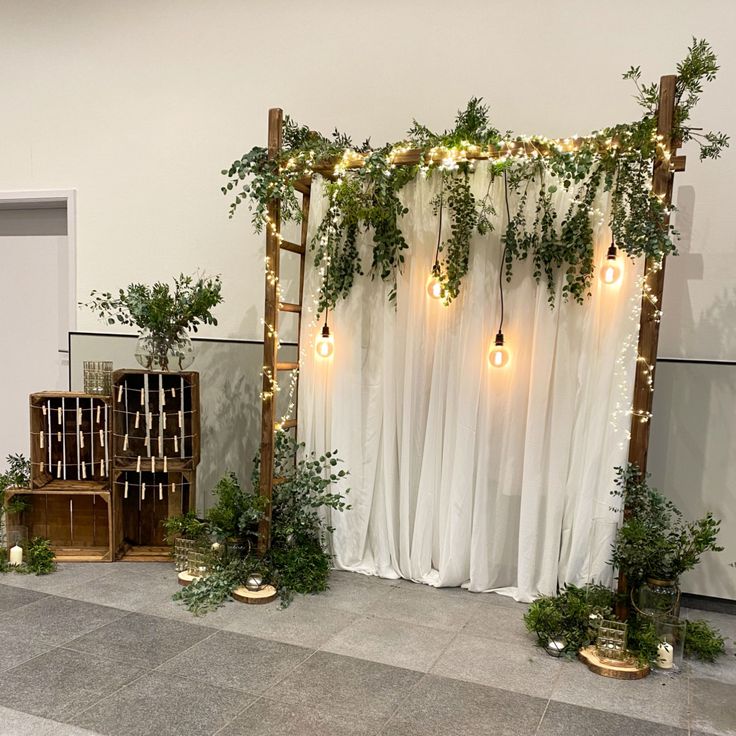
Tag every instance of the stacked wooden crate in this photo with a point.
(69, 501)
(156, 450)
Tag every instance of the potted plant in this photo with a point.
(655, 545)
(17, 476)
(163, 315)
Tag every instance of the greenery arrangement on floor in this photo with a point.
(298, 560)
(366, 183)
(654, 541)
(38, 557)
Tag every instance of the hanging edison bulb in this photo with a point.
(611, 268)
(498, 355)
(434, 283)
(325, 344)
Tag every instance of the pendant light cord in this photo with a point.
(505, 247)
(439, 227)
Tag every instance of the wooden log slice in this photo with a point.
(265, 594)
(186, 579)
(628, 669)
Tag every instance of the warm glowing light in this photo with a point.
(434, 287)
(499, 355)
(611, 268)
(325, 344)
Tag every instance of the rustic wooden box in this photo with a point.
(70, 441)
(78, 522)
(156, 418)
(139, 512)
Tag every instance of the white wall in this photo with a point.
(139, 104)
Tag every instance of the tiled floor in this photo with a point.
(102, 649)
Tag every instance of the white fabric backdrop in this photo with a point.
(462, 474)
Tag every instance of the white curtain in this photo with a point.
(461, 473)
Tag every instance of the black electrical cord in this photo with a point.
(503, 254)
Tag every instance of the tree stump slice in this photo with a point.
(628, 669)
(265, 594)
(186, 578)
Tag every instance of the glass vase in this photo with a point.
(671, 637)
(659, 598)
(161, 352)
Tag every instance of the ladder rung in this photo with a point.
(288, 307)
(293, 247)
(288, 424)
(286, 366)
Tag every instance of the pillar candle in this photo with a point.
(16, 555)
(665, 659)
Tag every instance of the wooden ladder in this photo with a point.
(272, 365)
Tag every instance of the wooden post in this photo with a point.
(662, 181)
(270, 357)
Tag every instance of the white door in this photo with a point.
(34, 309)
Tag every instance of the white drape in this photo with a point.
(460, 473)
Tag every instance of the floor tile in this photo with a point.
(127, 588)
(144, 641)
(60, 684)
(303, 623)
(67, 574)
(15, 649)
(442, 707)
(162, 705)
(426, 606)
(269, 718)
(512, 666)
(53, 621)
(11, 597)
(504, 623)
(15, 723)
(658, 697)
(351, 591)
(563, 719)
(391, 642)
(237, 661)
(347, 685)
(713, 706)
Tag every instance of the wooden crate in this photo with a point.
(70, 441)
(139, 512)
(77, 521)
(155, 420)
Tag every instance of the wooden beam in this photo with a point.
(271, 316)
(293, 247)
(662, 180)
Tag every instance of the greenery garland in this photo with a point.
(365, 197)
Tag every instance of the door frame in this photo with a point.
(69, 198)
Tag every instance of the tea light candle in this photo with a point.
(665, 659)
(16, 555)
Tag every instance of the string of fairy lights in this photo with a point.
(610, 269)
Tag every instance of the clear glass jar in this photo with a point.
(659, 597)
(182, 549)
(157, 352)
(671, 636)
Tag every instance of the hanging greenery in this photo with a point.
(364, 187)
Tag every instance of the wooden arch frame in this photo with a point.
(663, 175)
